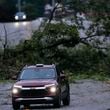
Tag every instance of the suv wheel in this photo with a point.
(16, 106)
(66, 100)
(57, 103)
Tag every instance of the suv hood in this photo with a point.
(35, 83)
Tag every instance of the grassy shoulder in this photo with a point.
(6, 81)
(84, 75)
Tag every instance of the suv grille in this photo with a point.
(34, 93)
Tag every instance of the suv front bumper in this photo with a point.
(43, 100)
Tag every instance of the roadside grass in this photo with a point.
(84, 75)
(6, 81)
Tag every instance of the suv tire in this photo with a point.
(16, 106)
(66, 100)
(57, 102)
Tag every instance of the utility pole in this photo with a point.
(53, 3)
(19, 5)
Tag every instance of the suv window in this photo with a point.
(37, 73)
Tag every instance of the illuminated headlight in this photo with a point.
(24, 16)
(53, 89)
(16, 17)
(15, 91)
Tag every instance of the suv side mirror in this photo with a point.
(62, 76)
(14, 77)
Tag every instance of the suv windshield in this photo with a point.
(37, 73)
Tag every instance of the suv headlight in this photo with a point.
(16, 89)
(24, 16)
(52, 88)
(16, 17)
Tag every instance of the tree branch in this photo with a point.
(51, 17)
(52, 13)
(88, 44)
(69, 42)
(90, 36)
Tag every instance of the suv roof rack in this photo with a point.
(39, 65)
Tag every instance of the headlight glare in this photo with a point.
(16, 17)
(53, 89)
(24, 16)
(15, 91)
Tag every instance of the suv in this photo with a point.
(20, 16)
(40, 84)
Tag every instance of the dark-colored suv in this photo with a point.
(40, 84)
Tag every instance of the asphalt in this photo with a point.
(85, 95)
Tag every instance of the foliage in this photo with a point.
(55, 45)
(60, 34)
(62, 44)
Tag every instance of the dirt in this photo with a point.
(85, 95)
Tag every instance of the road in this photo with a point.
(85, 95)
